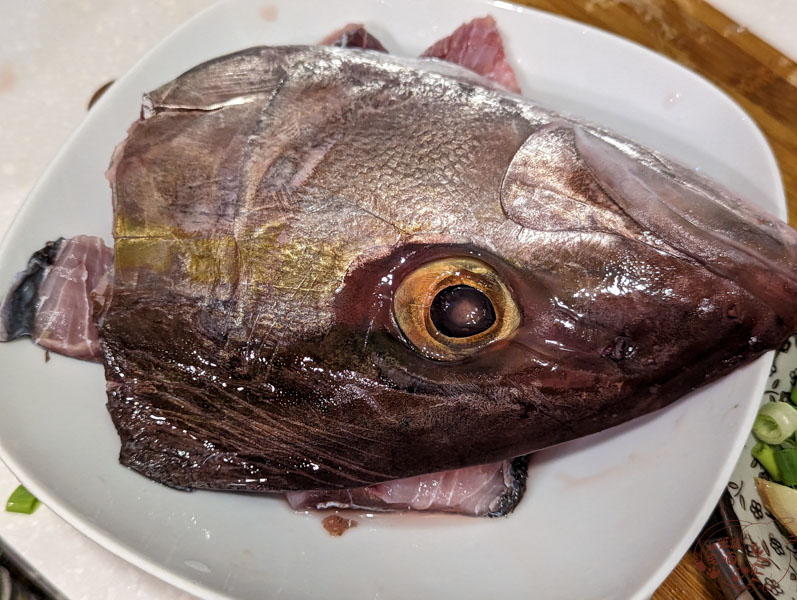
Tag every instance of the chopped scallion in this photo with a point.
(765, 455)
(787, 464)
(21, 501)
(775, 422)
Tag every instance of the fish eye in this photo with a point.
(450, 308)
(461, 311)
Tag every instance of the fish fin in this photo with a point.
(18, 309)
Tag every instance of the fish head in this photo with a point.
(357, 268)
(596, 281)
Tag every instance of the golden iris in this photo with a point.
(449, 309)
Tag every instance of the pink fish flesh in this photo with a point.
(477, 45)
(484, 490)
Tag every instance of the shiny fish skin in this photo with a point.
(268, 203)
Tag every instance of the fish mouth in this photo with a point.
(733, 240)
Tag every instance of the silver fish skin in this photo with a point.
(270, 206)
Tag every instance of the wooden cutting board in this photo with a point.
(758, 77)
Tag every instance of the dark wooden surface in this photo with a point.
(758, 77)
(761, 79)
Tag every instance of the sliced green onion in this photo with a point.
(775, 422)
(787, 463)
(765, 455)
(22, 501)
(788, 443)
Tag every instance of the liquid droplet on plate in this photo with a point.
(672, 99)
(197, 565)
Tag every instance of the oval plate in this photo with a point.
(607, 516)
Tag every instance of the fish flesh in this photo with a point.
(336, 268)
(59, 297)
(354, 35)
(477, 46)
(492, 490)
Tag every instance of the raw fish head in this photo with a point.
(336, 267)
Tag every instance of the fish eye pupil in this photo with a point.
(461, 311)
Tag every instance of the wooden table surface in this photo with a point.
(758, 77)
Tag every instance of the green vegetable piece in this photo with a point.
(775, 422)
(793, 395)
(787, 463)
(22, 501)
(788, 443)
(765, 455)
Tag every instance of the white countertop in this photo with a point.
(53, 57)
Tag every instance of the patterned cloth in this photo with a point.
(770, 550)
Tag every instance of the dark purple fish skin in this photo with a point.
(269, 202)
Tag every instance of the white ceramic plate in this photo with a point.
(607, 516)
